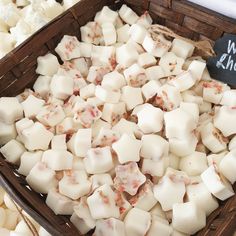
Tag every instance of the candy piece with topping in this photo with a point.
(100, 179)
(41, 178)
(131, 96)
(112, 113)
(146, 60)
(137, 222)
(216, 158)
(98, 160)
(182, 48)
(213, 139)
(87, 91)
(155, 73)
(188, 217)
(127, 149)
(128, 15)
(102, 203)
(156, 45)
(224, 120)
(154, 168)
(144, 199)
(216, 183)
(96, 73)
(59, 142)
(8, 132)
(51, 115)
(42, 85)
(137, 33)
(68, 48)
(229, 98)
(145, 20)
(109, 227)
(106, 15)
(113, 80)
(47, 65)
(91, 33)
(85, 49)
(228, 166)
(128, 178)
(60, 205)
(191, 108)
(123, 34)
(86, 114)
(122, 203)
(67, 126)
(197, 68)
(10, 110)
(199, 194)
(105, 137)
(36, 137)
(58, 159)
(107, 95)
(82, 218)
(98, 125)
(135, 75)
(74, 184)
(109, 33)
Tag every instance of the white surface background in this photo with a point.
(225, 7)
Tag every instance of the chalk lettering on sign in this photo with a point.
(231, 47)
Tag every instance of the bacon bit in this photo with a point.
(122, 210)
(213, 84)
(234, 108)
(135, 184)
(68, 137)
(76, 93)
(105, 199)
(121, 188)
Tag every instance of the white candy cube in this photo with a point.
(137, 33)
(96, 73)
(12, 151)
(216, 184)
(182, 48)
(188, 218)
(47, 65)
(229, 98)
(74, 184)
(107, 95)
(42, 85)
(59, 142)
(127, 149)
(228, 166)
(91, 33)
(68, 48)
(191, 108)
(155, 73)
(154, 147)
(128, 15)
(28, 160)
(7, 133)
(10, 110)
(114, 80)
(157, 46)
(102, 203)
(58, 159)
(123, 34)
(100, 179)
(150, 89)
(132, 97)
(109, 33)
(41, 178)
(153, 168)
(98, 160)
(137, 222)
(197, 68)
(146, 60)
(106, 15)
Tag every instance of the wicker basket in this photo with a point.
(17, 71)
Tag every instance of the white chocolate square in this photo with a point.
(98, 160)
(146, 60)
(10, 110)
(106, 15)
(150, 119)
(216, 184)
(7, 133)
(47, 65)
(96, 73)
(123, 34)
(98, 125)
(154, 168)
(194, 164)
(199, 194)
(42, 86)
(67, 126)
(126, 55)
(109, 33)
(91, 33)
(145, 20)
(32, 106)
(191, 96)
(228, 166)
(157, 46)
(10, 13)
(154, 72)
(68, 48)
(137, 33)
(23, 124)
(229, 98)
(191, 108)
(127, 149)
(128, 15)
(12, 151)
(112, 113)
(154, 147)
(224, 120)
(110, 227)
(87, 91)
(98, 180)
(182, 48)
(60, 205)
(107, 95)
(59, 142)
(135, 75)
(41, 178)
(188, 218)
(74, 184)
(128, 178)
(171, 64)
(58, 159)
(28, 160)
(137, 222)
(197, 68)
(114, 80)
(102, 203)
(131, 96)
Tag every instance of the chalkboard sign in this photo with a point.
(223, 66)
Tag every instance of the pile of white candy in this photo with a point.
(11, 222)
(19, 19)
(129, 135)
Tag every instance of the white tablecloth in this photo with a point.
(225, 7)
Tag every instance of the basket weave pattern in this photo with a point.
(17, 71)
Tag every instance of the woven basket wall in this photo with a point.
(17, 71)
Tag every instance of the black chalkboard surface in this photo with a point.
(223, 66)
